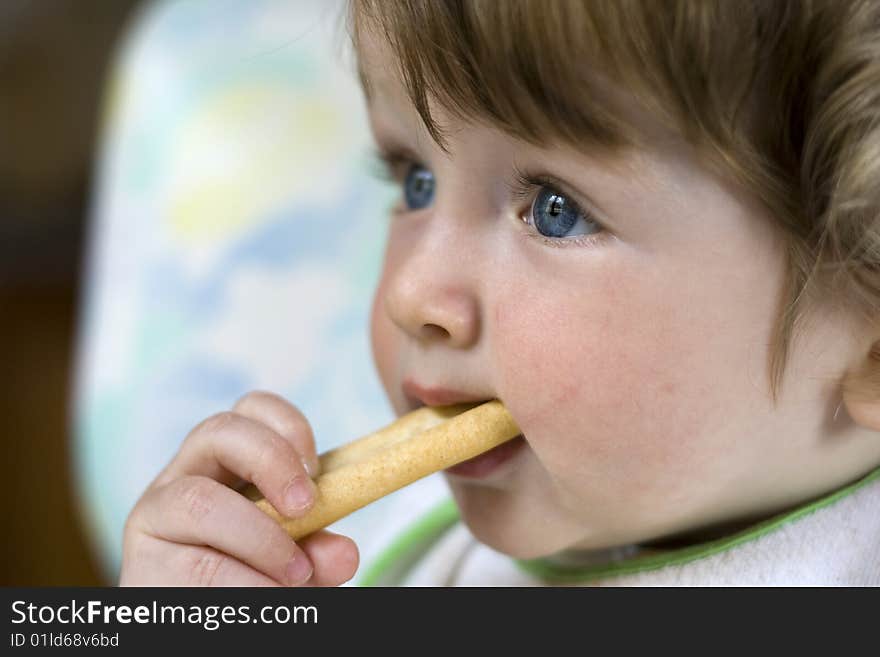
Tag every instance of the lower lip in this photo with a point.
(488, 462)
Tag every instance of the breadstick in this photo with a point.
(417, 444)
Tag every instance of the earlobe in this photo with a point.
(861, 391)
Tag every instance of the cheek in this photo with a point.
(384, 346)
(611, 386)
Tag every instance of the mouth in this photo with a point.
(482, 465)
(417, 396)
(487, 463)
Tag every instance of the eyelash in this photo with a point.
(524, 186)
(387, 165)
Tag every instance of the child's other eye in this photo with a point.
(553, 214)
(418, 187)
(400, 167)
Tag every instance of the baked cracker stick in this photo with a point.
(417, 444)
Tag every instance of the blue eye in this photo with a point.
(418, 187)
(554, 215)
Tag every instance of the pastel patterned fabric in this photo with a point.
(235, 242)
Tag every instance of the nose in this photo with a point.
(432, 298)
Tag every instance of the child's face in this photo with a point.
(634, 356)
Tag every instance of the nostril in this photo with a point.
(434, 332)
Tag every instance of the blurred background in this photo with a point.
(54, 59)
(186, 214)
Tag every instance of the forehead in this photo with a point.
(378, 69)
(392, 111)
(389, 106)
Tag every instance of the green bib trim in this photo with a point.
(393, 563)
(558, 574)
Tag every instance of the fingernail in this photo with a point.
(299, 569)
(299, 494)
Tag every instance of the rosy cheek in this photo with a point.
(597, 390)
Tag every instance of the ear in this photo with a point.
(861, 391)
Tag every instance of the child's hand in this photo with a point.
(191, 528)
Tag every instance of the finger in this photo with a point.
(228, 447)
(335, 558)
(155, 562)
(200, 511)
(286, 420)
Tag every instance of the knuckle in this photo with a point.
(273, 451)
(205, 566)
(216, 422)
(295, 425)
(289, 420)
(196, 497)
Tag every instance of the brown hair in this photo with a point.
(781, 97)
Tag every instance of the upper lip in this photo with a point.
(418, 395)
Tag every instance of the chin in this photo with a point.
(507, 532)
